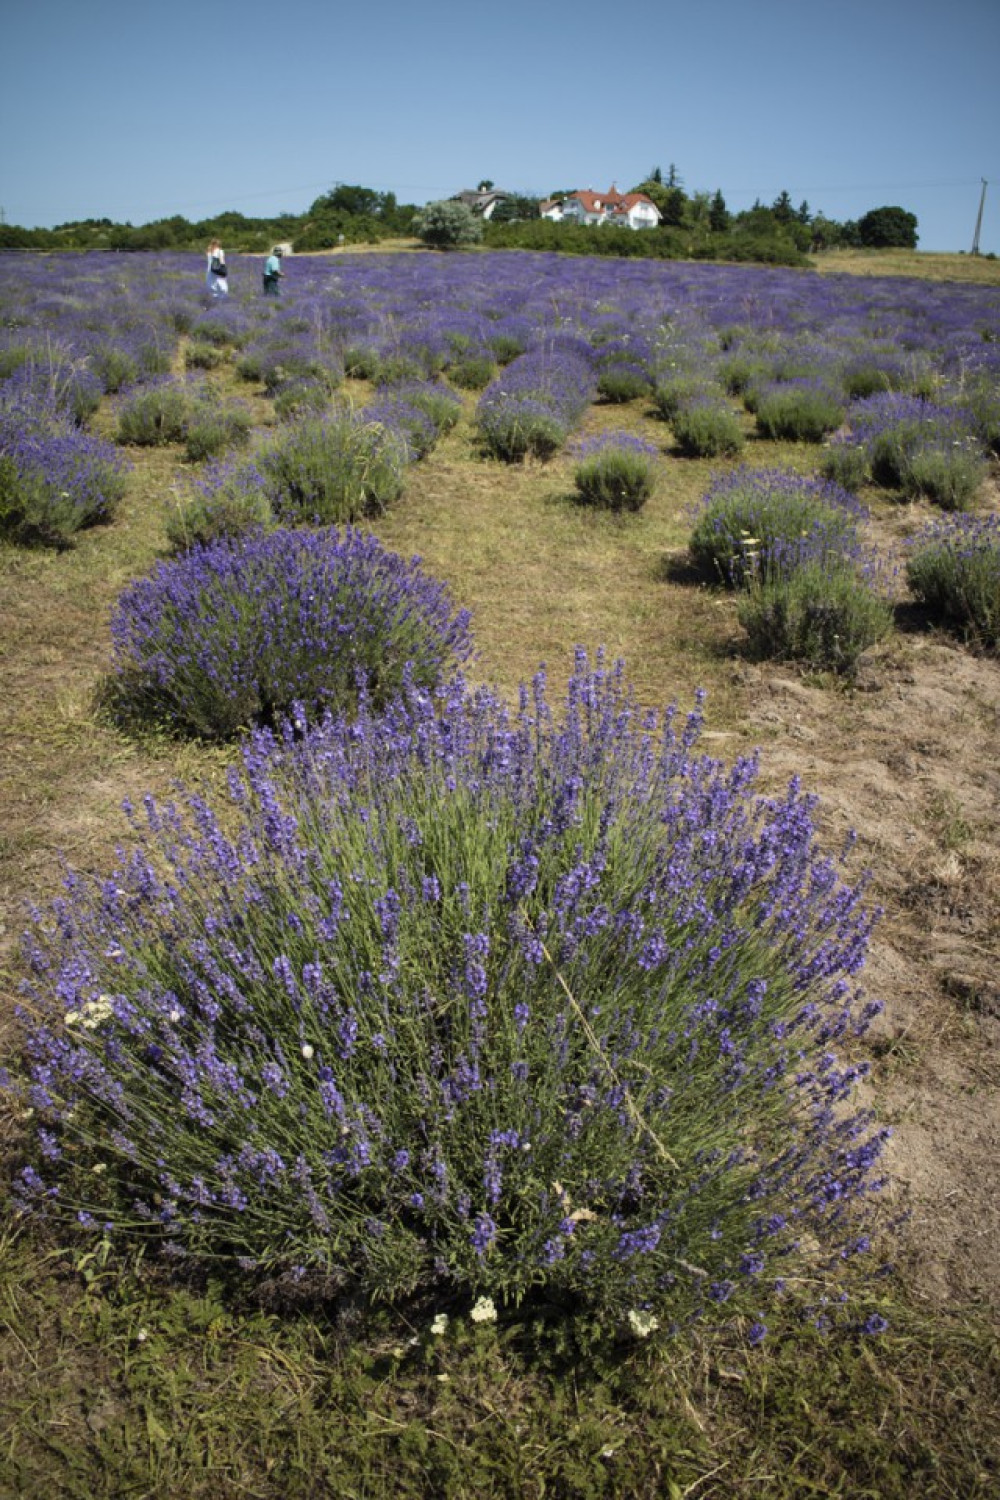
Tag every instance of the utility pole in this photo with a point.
(979, 218)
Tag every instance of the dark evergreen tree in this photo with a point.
(674, 205)
(718, 214)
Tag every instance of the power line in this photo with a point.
(303, 187)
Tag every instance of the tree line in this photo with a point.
(695, 224)
(347, 214)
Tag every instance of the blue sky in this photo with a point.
(135, 110)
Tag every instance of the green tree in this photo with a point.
(782, 208)
(654, 189)
(888, 228)
(447, 224)
(514, 209)
(675, 204)
(718, 214)
(349, 198)
(826, 234)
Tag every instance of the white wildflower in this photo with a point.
(102, 1166)
(642, 1323)
(485, 1311)
(93, 1014)
(439, 1324)
(308, 1052)
(175, 1016)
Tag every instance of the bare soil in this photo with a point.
(910, 761)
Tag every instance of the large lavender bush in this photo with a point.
(451, 1000)
(232, 633)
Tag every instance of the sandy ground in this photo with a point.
(909, 759)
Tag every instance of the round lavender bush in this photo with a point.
(954, 569)
(458, 999)
(771, 518)
(332, 468)
(55, 479)
(800, 410)
(615, 470)
(923, 449)
(532, 405)
(232, 633)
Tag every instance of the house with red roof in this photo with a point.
(584, 206)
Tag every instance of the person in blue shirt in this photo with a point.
(272, 272)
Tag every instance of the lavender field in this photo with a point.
(521, 733)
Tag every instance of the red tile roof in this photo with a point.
(612, 201)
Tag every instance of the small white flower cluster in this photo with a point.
(641, 1323)
(484, 1311)
(93, 1014)
(439, 1325)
